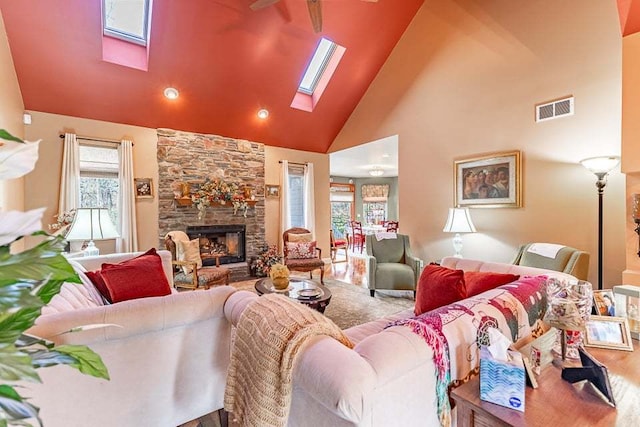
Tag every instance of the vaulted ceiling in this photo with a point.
(226, 60)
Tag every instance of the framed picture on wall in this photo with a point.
(493, 180)
(144, 188)
(272, 190)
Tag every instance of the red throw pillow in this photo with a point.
(438, 286)
(139, 277)
(98, 282)
(479, 281)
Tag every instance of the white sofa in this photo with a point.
(168, 360)
(386, 380)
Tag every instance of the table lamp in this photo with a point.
(92, 224)
(459, 221)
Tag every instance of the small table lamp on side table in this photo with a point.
(92, 224)
(459, 221)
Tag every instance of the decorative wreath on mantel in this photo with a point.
(220, 192)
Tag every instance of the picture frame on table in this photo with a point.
(604, 302)
(489, 181)
(272, 190)
(608, 332)
(144, 188)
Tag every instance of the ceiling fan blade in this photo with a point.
(261, 4)
(315, 13)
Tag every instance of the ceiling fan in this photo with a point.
(315, 10)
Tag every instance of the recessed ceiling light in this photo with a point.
(263, 113)
(171, 93)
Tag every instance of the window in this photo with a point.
(99, 181)
(342, 198)
(317, 66)
(126, 20)
(296, 196)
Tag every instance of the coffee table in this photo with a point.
(296, 285)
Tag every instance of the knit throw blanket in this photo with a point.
(271, 332)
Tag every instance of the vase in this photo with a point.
(568, 309)
(280, 283)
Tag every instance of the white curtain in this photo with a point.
(285, 215)
(128, 241)
(70, 180)
(309, 200)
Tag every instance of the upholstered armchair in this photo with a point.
(554, 257)
(301, 253)
(391, 265)
(188, 270)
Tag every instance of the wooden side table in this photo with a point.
(557, 402)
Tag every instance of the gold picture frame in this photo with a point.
(272, 190)
(489, 181)
(144, 188)
(608, 332)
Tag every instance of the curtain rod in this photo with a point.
(295, 163)
(88, 138)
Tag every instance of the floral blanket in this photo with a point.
(455, 332)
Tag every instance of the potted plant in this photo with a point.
(29, 280)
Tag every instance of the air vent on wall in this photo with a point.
(554, 109)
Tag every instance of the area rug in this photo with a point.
(352, 305)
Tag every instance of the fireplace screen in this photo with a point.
(226, 241)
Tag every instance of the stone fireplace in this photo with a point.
(226, 241)
(190, 158)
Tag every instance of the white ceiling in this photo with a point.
(356, 162)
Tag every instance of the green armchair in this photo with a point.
(567, 259)
(391, 265)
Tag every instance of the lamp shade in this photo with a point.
(376, 172)
(459, 221)
(600, 165)
(92, 224)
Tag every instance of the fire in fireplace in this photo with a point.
(226, 241)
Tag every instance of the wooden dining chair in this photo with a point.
(357, 237)
(337, 244)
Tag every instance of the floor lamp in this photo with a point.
(600, 166)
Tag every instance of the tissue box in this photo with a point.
(502, 382)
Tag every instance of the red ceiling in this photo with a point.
(629, 11)
(226, 60)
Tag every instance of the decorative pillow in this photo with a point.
(304, 237)
(94, 293)
(98, 282)
(479, 281)
(188, 251)
(139, 277)
(301, 250)
(438, 286)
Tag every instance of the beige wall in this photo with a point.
(631, 147)
(42, 185)
(273, 155)
(11, 109)
(464, 80)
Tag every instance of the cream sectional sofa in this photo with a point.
(387, 380)
(167, 359)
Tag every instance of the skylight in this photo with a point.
(317, 66)
(126, 20)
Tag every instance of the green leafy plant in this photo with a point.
(28, 281)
